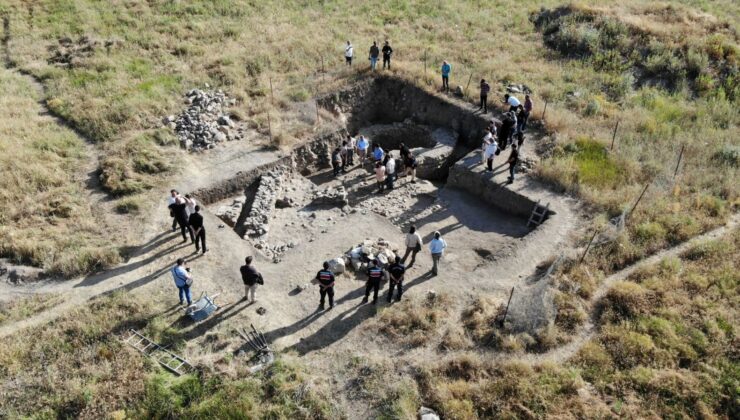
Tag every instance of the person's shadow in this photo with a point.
(334, 330)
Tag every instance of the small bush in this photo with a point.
(625, 300)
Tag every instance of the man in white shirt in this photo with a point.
(349, 52)
(487, 139)
(437, 248)
(489, 153)
(170, 201)
(413, 246)
(390, 171)
(350, 150)
(512, 101)
(191, 203)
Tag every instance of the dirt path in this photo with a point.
(563, 353)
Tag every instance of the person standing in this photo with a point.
(487, 139)
(490, 152)
(387, 51)
(446, 69)
(390, 171)
(349, 52)
(362, 145)
(171, 200)
(251, 278)
(344, 154)
(396, 272)
(378, 153)
(528, 106)
(484, 89)
(336, 161)
(197, 230)
(513, 160)
(411, 167)
(512, 101)
(181, 214)
(190, 204)
(404, 151)
(508, 125)
(351, 144)
(374, 275)
(326, 285)
(413, 243)
(437, 248)
(374, 53)
(380, 175)
(183, 280)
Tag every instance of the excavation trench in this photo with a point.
(287, 198)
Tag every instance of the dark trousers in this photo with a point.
(512, 170)
(201, 236)
(490, 163)
(374, 285)
(484, 102)
(386, 61)
(174, 224)
(326, 291)
(350, 157)
(391, 285)
(185, 226)
(337, 167)
(446, 83)
(413, 253)
(389, 180)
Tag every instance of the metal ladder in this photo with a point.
(164, 357)
(538, 214)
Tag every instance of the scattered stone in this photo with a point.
(337, 265)
(330, 196)
(261, 311)
(431, 295)
(229, 214)
(459, 92)
(256, 223)
(284, 203)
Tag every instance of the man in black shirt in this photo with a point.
(326, 285)
(374, 53)
(513, 160)
(179, 209)
(387, 51)
(197, 229)
(374, 275)
(251, 278)
(396, 272)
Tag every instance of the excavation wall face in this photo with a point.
(385, 100)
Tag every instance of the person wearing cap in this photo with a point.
(326, 285)
(374, 275)
(437, 247)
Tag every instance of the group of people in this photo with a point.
(376, 271)
(373, 55)
(185, 212)
(511, 131)
(387, 168)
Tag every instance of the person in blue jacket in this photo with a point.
(446, 68)
(183, 280)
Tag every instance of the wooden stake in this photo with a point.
(614, 135)
(323, 72)
(425, 66)
(269, 127)
(318, 118)
(678, 164)
(506, 312)
(272, 96)
(588, 246)
(638, 200)
(544, 110)
(468, 85)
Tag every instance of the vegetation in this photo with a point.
(665, 348)
(19, 309)
(46, 219)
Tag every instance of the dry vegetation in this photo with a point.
(46, 219)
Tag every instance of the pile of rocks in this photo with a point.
(230, 214)
(269, 187)
(204, 123)
(330, 196)
(275, 252)
(513, 88)
(369, 250)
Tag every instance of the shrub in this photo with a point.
(625, 300)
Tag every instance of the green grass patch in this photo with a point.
(595, 166)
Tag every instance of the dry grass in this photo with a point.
(414, 322)
(23, 308)
(46, 220)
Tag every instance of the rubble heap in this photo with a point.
(330, 196)
(264, 204)
(230, 214)
(360, 255)
(204, 123)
